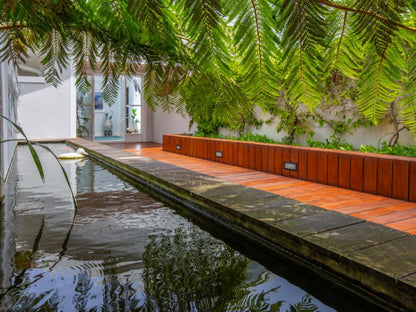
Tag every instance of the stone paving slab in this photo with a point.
(396, 258)
(344, 240)
(317, 223)
(271, 210)
(381, 260)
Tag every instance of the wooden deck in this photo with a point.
(397, 214)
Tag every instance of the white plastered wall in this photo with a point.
(169, 123)
(361, 136)
(46, 112)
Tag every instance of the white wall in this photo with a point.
(361, 136)
(169, 123)
(46, 112)
(8, 98)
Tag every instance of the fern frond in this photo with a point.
(407, 99)
(152, 79)
(205, 27)
(379, 83)
(379, 22)
(13, 46)
(303, 24)
(55, 55)
(343, 53)
(256, 42)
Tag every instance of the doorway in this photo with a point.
(98, 120)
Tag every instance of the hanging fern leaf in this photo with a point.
(13, 46)
(407, 100)
(379, 82)
(303, 29)
(376, 22)
(256, 48)
(54, 49)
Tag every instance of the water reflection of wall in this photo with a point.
(7, 238)
(8, 100)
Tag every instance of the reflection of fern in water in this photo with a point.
(188, 270)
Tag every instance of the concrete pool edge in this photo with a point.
(215, 197)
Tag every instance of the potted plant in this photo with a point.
(134, 120)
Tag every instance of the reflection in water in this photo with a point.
(191, 271)
(123, 251)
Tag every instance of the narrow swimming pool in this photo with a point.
(124, 250)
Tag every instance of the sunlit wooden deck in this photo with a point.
(397, 214)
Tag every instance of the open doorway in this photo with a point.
(98, 120)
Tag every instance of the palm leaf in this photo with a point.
(63, 172)
(36, 159)
(34, 154)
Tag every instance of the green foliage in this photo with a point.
(306, 305)
(292, 119)
(399, 150)
(221, 58)
(303, 28)
(188, 269)
(334, 143)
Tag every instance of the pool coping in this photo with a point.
(377, 260)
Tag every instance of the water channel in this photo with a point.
(123, 250)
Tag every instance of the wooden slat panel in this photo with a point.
(400, 179)
(322, 173)
(204, 143)
(370, 175)
(278, 160)
(192, 150)
(202, 146)
(171, 144)
(412, 182)
(240, 154)
(211, 150)
(357, 173)
(384, 177)
(246, 152)
(344, 170)
(235, 154)
(192, 144)
(226, 153)
(258, 158)
(303, 165)
(285, 157)
(195, 148)
(271, 156)
(333, 169)
(165, 143)
(294, 157)
(251, 156)
(184, 148)
(187, 143)
(264, 158)
(312, 165)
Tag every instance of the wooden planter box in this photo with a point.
(386, 175)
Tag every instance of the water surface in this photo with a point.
(122, 250)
